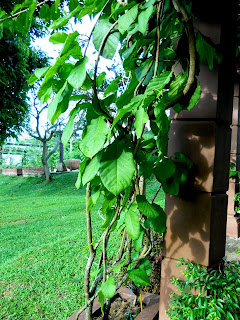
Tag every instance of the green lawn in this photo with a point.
(42, 238)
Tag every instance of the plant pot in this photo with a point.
(150, 302)
(10, 171)
(72, 164)
(33, 172)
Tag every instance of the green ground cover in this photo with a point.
(42, 238)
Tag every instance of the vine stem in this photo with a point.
(192, 52)
(96, 66)
(159, 17)
(91, 258)
(105, 239)
(20, 12)
(156, 194)
(91, 33)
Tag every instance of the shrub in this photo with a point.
(215, 295)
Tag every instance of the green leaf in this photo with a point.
(143, 18)
(68, 45)
(132, 222)
(58, 37)
(52, 108)
(68, 130)
(134, 103)
(95, 137)
(146, 266)
(207, 52)
(127, 19)
(165, 169)
(112, 87)
(112, 41)
(38, 74)
(64, 20)
(141, 118)
(92, 169)
(108, 288)
(195, 97)
(157, 84)
(78, 74)
(137, 244)
(139, 277)
(81, 170)
(117, 168)
(177, 85)
(101, 300)
(157, 224)
(148, 209)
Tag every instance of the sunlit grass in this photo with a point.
(42, 238)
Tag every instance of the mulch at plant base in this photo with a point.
(120, 310)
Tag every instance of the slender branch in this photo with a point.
(192, 52)
(53, 150)
(20, 12)
(159, 15)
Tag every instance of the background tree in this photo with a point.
(44, 132)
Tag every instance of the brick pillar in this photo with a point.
(233, 228)
(196, 220)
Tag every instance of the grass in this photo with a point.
(42, 238)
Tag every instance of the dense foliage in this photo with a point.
(125, 140)
(206, 295)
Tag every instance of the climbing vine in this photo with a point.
(126, 136)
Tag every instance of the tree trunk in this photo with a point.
(44, 162)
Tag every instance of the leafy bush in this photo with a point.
(215, 295)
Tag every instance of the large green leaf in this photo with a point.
(132, 222)
(141, 118)
(91, 169)
(117, 168)
(127, 19)
(62, 21)
(157, 84)
(95, 137)
(165, 169)
(207, 52)
(139, 277)
(108, 288)
(78, 74)
(146, 208)
(143, 19)
(111, 44)
(157, 224)
(58, 37)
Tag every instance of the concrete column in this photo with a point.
(233, 228)
(196, 219)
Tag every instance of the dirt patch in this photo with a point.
(120, 310)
